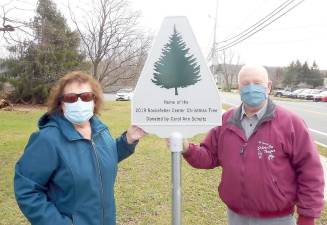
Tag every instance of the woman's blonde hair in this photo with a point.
(54, 102)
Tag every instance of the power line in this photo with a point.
(285, 41)
(243, 22)
(300, 27)
(249, 34)
(262, 20)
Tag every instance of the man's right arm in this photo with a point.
(205, 155)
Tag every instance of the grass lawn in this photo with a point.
(322, 150)
(143, 187)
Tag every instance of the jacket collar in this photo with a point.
(258, 114)
(268, 115)
(67, 128)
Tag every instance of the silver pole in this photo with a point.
(176, 146)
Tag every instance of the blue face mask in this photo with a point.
(78, 112)
(253, 95)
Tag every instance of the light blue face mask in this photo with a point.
(253, 95)
(78, 112)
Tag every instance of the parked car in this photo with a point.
(282, 93)
(294, 94)
(307, 92)
(322, 96)
(313, 93)
(124, 94)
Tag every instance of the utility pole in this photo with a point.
(214, 50)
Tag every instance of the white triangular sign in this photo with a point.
(176, 91)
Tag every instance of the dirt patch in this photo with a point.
(24, 108)
(5, 104)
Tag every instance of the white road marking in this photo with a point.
(318, 132)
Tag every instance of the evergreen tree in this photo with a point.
(297, 73)
(291, 74)
(35, 65)
(303, 74)
(176, 68)
(315, 76)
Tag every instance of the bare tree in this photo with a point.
(229, 67)
(276, 76)
(10, 24)
(111, 41)
(127, 67)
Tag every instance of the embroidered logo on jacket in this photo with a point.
(265, 149)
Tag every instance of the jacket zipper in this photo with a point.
(101, 179)
(242, 151)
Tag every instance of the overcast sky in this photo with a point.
(300, 34)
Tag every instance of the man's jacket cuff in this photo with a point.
(303, 220)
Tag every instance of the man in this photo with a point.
(270, 164)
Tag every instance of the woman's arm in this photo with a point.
(32, 173)
(127, 141)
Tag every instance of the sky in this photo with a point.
(300, 34)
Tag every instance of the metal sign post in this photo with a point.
(176, 147)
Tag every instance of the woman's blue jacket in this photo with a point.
(64, 179)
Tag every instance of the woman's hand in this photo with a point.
(134, 133)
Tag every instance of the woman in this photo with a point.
(67, 172)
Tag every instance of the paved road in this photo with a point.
(313, 113)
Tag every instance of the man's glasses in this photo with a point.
(72, 97)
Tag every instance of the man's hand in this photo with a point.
(185, 145)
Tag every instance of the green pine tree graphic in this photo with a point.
(176, 68)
